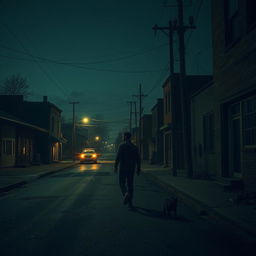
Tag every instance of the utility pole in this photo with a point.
(135, 114)
(135, 122)
(140, 96)
(179, 27)
(130, 120)
(186, 132)
(174, 139)
(73, 130)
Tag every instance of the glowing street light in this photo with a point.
(97, 138)
(86, 120)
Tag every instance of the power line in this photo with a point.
(196, 19)
(80, 65)
(87, 63)
(118, 58)
(88, 68)
(158, 80)
(33, 58)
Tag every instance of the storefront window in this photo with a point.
(7, 146)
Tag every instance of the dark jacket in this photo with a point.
(128, 157)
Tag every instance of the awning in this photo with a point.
(166, 127)
(13, 119)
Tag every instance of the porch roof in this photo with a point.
(16, 120)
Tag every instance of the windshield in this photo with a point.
(89, 151)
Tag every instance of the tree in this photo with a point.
(15, 85)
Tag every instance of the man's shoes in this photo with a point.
(126, 198)
(130, 205)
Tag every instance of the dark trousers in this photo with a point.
(126, 182)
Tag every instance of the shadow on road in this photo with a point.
(157, 214)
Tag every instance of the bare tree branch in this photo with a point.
(15, 85)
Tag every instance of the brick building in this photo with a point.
(234, 37)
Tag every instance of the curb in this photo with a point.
(13, 186)
(24, 182)
(53, 172)
(201, 207)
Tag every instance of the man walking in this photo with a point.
(128, 159)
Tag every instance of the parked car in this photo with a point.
(89, 155)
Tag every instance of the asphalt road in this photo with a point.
(79, 211)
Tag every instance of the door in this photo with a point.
(235, 140)
(236, 146)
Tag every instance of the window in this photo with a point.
(250, 13)
(232, 20)
(249, 122)
(8, 146)
(235, 110)
(208, 130)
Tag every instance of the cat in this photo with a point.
(170, 205)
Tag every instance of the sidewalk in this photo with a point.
(13, 177)
(207, 196)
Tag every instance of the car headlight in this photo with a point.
(82, 155)
(94, 156)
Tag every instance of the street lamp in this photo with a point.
(86, 120)
(97, 138)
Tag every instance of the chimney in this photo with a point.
(45, 99)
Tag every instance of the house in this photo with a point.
(45, 115)
(146, 143)
(234, 36)
(174, 126)
(203, 132)
(17, 140)
(157, 135)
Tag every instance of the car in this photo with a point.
(89, 155)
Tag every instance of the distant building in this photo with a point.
(135, 135)
(146, 139)
(157, 134)
(234, 36)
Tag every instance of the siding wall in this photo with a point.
(234, 81)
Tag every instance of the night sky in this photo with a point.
(97, 52)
